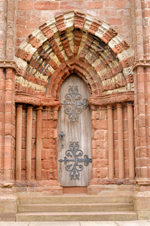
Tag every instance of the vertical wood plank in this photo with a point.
(29, 143)
(131, 140)
(74, 131)
(110, 142)
(38, 143)
(18, 141)
(120, 140)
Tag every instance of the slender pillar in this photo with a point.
(2, 120)
(38, 143)
(120, 141)
(18, 142)
(131, 140)
(110, 142)
(29, 143)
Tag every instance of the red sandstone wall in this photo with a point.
(118, 13)
(142, 97)
(49, 153)
(100, 144)
(7, 124)
(49, 147)
(2, 28)
(31, 14)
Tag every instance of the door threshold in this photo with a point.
(75, 190)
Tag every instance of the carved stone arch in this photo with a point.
(77, 42)
(80, 69)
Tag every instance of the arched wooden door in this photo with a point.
(74, 134)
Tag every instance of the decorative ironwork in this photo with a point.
(73, 103)
(75, 161)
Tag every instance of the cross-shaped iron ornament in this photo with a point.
(74, 160)
(74, 104)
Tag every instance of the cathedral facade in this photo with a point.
(75, 100)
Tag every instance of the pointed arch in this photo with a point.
(75, 42)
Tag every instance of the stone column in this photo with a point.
(120, 141)
(38, 143)
(18, 141)
(29, 143)
(7, 29)
(131, 140)
(10, 29)
(9, 156)
(3, 8)
(141, 95)
(142, 109)
(110, 142)
(2, 121)
(7, 121)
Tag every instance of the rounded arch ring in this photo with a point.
(75, 42)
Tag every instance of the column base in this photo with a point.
(142, 205)
(114, 189)
(143, 181)
(8, 207)
(52, 187)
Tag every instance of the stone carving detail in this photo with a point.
(73, 103)
(75, 161)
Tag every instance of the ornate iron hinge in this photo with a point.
(74, 104)
(75, 161)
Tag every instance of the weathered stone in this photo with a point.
(51, 44)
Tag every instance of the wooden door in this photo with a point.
(74, 134)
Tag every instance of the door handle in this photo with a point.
(61, 135)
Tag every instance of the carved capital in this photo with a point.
(111, 99)
(40, 108)
(143, 181)
(141, 63)
(119, 105)
(8, 64)
(37, 101)
(109, 106)
(130, 104)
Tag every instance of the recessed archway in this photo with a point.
(75, 42)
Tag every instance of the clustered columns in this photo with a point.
(120, 145)
(112, 142)
(19, 124)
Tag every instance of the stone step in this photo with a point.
(77, 216)
(82, 207)
(66, 199)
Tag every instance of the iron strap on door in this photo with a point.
(75, 161)
(74, 104)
